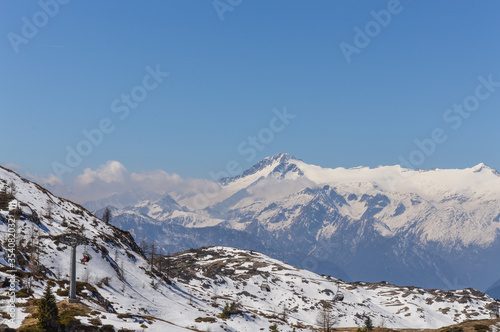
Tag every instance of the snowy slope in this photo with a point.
(228, 273)
(112, 250)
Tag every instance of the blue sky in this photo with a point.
(228, 78)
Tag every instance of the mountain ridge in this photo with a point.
(451, 215)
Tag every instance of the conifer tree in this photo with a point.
(107, 216)
(48, 314)
(368, 324)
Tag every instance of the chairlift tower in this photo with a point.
(494, 314)
(73, 240)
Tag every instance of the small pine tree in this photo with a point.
(144, 246)
(368, 324)
(225, 312)
(48, 314)
(4, 199)
(152, 255)
(273, 328)
(230, 309)
(106, 217)
(168, 264)
(12, 187)
(48, 210)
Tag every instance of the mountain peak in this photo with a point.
(281, 159)
(482, 166)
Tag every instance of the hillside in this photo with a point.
(40, 217)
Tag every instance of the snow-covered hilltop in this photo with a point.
(437, 228)
(188, 290)
(219, 273)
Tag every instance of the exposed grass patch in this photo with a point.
(205, 320)
(95, 321)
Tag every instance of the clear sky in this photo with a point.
(336, 83)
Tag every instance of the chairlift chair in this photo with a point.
(265, 287)
(86, 256)
(338, 296)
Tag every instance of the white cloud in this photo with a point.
(113, 178)
(111, 172)
(11, 166)
(50, 180)
(156, 180)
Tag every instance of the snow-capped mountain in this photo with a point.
(188, 290)
(435, 228)
(123, 200)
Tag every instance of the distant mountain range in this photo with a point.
(434, 229)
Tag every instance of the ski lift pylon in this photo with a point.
(494, 314)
